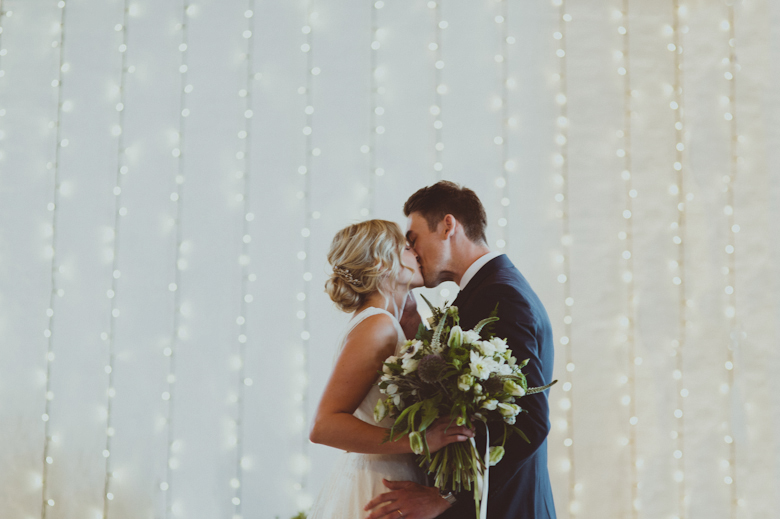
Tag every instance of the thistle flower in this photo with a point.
(493, 385)
(430, 368)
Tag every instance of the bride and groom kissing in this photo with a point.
(375, 266)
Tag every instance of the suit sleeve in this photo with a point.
(518, 325)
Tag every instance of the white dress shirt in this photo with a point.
(474, 267)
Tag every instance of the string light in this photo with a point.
(245, 138)
(177, 198)
(502, 139)
(301, 460)
(626, 236)
(3, 15)
(121, 170)
(561, 159)
(440, 88)
(46, 501)
(730, 74)
(679, 265)
(375, 128)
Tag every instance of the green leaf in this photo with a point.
(430, 305)
(430, 412)
(489, 330)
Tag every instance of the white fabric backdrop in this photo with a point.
(137, 224)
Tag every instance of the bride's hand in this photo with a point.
(441, 433)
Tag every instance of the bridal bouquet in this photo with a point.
(467, 375)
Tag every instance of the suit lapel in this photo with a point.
(488, 268)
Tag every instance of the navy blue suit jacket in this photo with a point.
(519, 484)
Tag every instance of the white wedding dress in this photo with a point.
(357, 478)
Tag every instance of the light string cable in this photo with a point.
(119, 211)
(3, 15)
(735, 332)
(679, 265)
(627, 236)
(176, 197)
(564, 258)
(245, 173)
(55, 292)
(502, 103)
(441, 88)
(303, 255)
(375, 128)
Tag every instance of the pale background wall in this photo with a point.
(188, 224)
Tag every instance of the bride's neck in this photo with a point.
(378, 300)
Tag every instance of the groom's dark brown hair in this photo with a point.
(445, 197)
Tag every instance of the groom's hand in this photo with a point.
(413, 501)
(410, 317)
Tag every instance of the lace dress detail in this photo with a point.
(357, 478)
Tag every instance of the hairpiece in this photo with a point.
(346, 275)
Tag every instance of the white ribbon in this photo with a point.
(482, 485)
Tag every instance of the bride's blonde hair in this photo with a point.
(363, 256)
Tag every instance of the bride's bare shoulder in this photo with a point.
(376, 332)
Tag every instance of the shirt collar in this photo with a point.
(474, 267)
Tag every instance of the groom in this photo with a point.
(446, 228)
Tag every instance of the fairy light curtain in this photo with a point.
(172, 173)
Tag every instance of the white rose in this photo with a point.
(504, 369)
(491, 404)
(471, 337)
(391, 389)
(398, 402)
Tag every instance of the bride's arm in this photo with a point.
(356, 370)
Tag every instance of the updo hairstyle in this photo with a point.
(363, 256)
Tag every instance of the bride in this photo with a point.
(373, 273)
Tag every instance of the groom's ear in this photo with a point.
(448, 225)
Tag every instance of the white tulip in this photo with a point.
(491, 404)
(456, 337)
(508, 409)
(465, 382)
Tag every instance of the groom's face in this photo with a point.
(431, 249)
